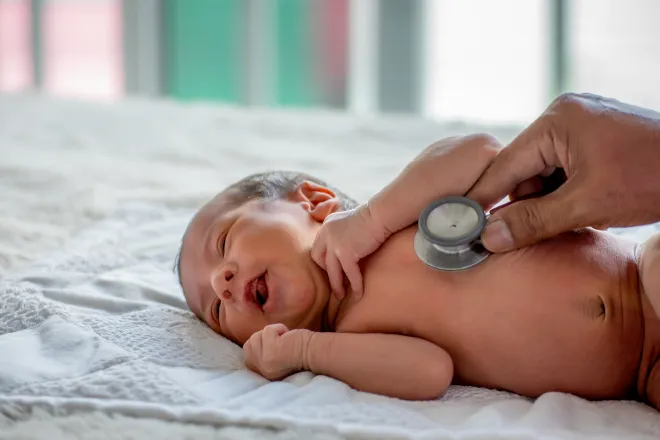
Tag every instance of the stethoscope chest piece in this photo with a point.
(449, 234)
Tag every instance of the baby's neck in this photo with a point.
(331, 312)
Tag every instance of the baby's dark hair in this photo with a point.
(271, 185)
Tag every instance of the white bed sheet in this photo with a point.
(100, 324)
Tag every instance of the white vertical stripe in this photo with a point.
(363, 56)
(36, 8)
(488, 60)
(260, 52)
(616, 49)
(428, 81)
(143, 48)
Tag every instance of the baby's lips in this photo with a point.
(276, 295)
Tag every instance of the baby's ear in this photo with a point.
(318, 200)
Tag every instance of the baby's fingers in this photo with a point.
(335, 275)
(319, 252)
(354, 277)
(250, 356)
(274, 330)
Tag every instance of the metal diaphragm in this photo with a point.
(449, 234)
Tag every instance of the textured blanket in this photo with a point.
(94, 334)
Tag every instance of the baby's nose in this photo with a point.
(222, 281)
(228, 274)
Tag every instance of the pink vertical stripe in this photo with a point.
(15, 59)
(330, 37)
(83, 49)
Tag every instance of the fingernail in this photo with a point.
(497, 237)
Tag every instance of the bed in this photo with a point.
(95, 337)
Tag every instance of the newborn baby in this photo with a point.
(572, 314)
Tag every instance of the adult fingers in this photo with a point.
(528, 221)
(528, 155)
(547, 181)
(533, 185)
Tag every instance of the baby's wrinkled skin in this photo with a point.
(569, 314)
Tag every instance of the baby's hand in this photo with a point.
(343, 240)
(275, 352)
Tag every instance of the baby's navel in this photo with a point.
(594, 307)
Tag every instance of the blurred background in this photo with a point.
(492, 61)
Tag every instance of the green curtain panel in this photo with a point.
(295, 64)
(202, 49)
(205, 42)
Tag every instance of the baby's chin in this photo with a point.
(316, 314)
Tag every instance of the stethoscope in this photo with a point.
(449, 234)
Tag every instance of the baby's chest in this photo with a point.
(401, 294)
(395, 306)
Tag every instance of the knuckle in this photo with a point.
(567, 102)
(484, 142)
(343, 255)
(482, 147)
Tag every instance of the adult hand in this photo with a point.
(608, 154)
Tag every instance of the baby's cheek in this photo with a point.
(243, 327)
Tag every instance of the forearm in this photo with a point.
(448, 167)
(393, 365)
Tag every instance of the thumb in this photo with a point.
(527, 222)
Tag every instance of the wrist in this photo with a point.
(308, 338)
(374, 218)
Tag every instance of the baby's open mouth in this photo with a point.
(256, 291)
(261, 290)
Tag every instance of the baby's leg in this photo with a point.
(649, 271)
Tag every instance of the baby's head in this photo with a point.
(245, 257)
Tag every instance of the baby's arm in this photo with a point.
(447, 168)
(393, 365)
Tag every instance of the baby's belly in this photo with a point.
(547, 319)
(531, 349)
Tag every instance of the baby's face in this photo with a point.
(244, 267)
